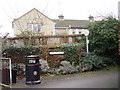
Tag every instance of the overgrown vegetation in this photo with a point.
(73, 52)
(18, 54)
(92, 62)
(104, 37)
(26, 50)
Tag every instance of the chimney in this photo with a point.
(91, 18)
(61, 17)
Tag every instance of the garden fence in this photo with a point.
(42, 40)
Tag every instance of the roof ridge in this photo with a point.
(29, 12)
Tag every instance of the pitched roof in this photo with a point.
(76, 24)
(29, 12)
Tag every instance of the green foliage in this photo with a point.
(67, 68)
(12, 50)
(26, 50)
(104, 36)
(72, 52)
(29, 50)
(91, 61)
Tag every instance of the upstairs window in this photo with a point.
(34, 27)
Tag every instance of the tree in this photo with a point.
(104, 36)
(27, 33)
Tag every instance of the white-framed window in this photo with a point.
(34, 27)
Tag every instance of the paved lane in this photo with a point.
(86, 80)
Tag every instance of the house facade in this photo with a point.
(69, 27)
(33, 21)
(36, 21)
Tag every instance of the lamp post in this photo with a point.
(86, 33)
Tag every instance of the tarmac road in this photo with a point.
(98, 79)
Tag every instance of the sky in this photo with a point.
(71, 9)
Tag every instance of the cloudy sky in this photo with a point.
(71, 9)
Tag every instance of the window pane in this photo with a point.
(30, 27)
(39, 27)
(34, 27)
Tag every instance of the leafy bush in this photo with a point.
(104, 37)
(29, 50)
(17, 54)
(91, 62)
(26, 50)
(64, 68)
(67, 68)
(44, 66)
(72, 52)
(44, 52)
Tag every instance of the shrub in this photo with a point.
(64, 68)
(29, 50)
(67, 68)
(103, 37)
(17, 54)
(72, 52)
(91, 62)
(44, 66)
(26, 50)
(44, 52)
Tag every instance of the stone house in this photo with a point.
(33, 21)
(36, 21)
